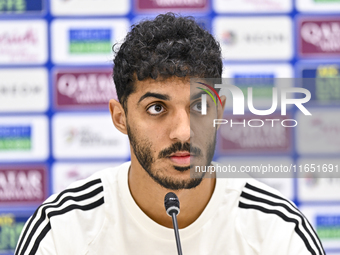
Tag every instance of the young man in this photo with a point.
(121, 210)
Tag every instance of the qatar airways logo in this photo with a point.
(323, 35)
(286, 96)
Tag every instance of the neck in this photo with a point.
(149, 196)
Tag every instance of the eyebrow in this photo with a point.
(156, 95)
(198, 95)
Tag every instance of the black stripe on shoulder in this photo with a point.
(43, 213)
(55, 213)
(266, 192)
(320, 247)
(42, 234)
(285, 218)
(45, 206)
(258, 199)
(290, 208)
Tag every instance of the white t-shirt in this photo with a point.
(99, 216)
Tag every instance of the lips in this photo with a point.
(180, 158)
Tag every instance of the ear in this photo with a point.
(220, 110)
(118, 115)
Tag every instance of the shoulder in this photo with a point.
(267, 216)
(77, 211)
(260, 198)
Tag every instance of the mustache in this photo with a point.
(179, 147)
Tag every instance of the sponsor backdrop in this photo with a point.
(56, 81)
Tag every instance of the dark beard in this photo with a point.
(142, 150)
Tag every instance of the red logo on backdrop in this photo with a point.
(241, 135)
(198, 5)
(27, 38)
(83, 88)
(23, 184)
(17, 46)
(319, 37)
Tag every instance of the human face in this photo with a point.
(161, 137)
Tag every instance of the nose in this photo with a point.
(180, 126)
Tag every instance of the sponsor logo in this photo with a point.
(89, 7)
(321, 6)
(262, 84)
(87, 136)
(246, 6)
(10, 229)
(321, 184)
(14, 138)
(66, 173)
(240, 42)
(320, 37)
(23, 42)
(20, 185)
(240, 137)
(262, 78)
(28, 37)
(12, 6)
(88, 41)
(323, 83)
(83, 89)
(325, 220)
(23, 90)
(20, 6)
(327, 1)
(15, 89)
(265, 38)
(229, 37)
(23, 138)
(85, 41)
(173, 4)
(328, 226)
(318, 133)
(259, 70)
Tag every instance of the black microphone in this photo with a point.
(171, 204)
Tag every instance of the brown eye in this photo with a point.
(155, 109)
(158, 108)
(197, 107)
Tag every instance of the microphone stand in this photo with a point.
(171, 204)
(178, 241)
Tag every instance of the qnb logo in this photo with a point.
(238, 100)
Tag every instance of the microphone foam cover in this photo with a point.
(171, 203)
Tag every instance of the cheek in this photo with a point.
(147, 135)
(203, 138)
(202, 127)
(138, 126)
(154, 130)
(204, 134)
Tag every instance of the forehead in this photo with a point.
(171, 89)
(169, 84)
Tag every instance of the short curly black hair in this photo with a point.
(170, 45)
